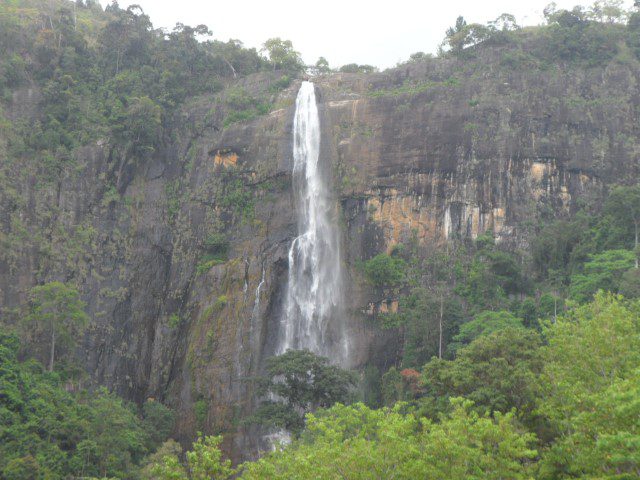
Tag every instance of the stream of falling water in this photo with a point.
(314, 288)
(256, 306)
(313, 298)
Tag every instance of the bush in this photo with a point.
(385, 271)
(603, 271)
(48, 432)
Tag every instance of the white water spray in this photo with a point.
(256, 305)
(314, 290)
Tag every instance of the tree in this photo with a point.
(630, 283)
(385, 270)
(282, 55)
(144, 118)
(392, 387)
(459, 26)
(186, 50)
(419, 56)
(355, 68)
(49, 432)
(493, 274)
(358, 443)
(57, 308)
(497, 371)
(23, 468)
(305, 382)
(127, 37)
(322, 66)
(588, 349)
(164, 463)
(485, 323)
(623, 204)
(604, 439)
(138, 125)
(590, 391)
(610, 11)
(556, 248)
(463, 35)
(505, 22)
(158, 421)
(603, 271)
(427, 320)
(204, 462)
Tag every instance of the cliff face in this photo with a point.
(182, 258)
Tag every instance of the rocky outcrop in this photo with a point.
(170, 252)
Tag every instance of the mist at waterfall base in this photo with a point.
(311, 318)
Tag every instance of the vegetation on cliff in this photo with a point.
(514, 361)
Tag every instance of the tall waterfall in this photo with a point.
(311, 317)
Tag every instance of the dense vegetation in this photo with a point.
(49, 428)
(513, 363)
(514, 403)
(110, 73)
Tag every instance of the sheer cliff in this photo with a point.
(182, 257)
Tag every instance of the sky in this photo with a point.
(374, 32)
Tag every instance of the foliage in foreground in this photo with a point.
(356, 442)
(47, 432)
(583, 385)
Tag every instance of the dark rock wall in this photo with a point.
(432, 151)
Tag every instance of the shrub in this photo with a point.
(385, 271)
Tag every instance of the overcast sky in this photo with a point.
(374, 32)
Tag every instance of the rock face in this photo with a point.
(182, 257)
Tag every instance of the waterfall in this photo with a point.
(311, 317)
(256, 306)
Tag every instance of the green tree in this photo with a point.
(23, 468)
(588, 348)
(158, 422)
(623, 204)
(497, 371)
(166, 458)
(491, 275)
(428, 320)
(126, 38)
(282, 55)
(453, 33)
(392, 387)
(603, 271)
(305, 382)
(590, 390)
(322, 66)
(139, 126)
(355, 68)
(385, 270)
(604, 439)
(358, 443)
(485, 323)
(556, 248)
(56, 307)
(630, 283)
(463, 35)
(203, 462)
(48, 432)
